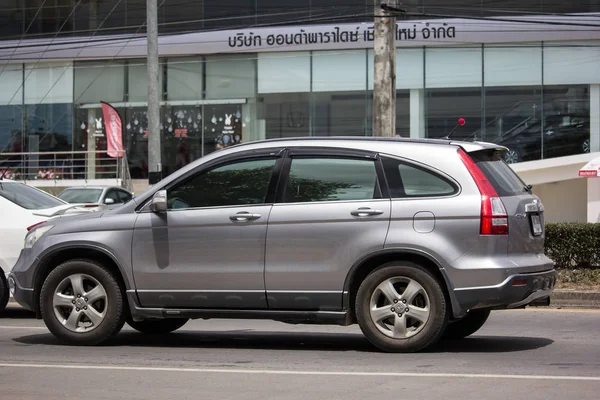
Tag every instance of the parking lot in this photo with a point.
(534, 353)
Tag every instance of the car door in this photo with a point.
(208, 249)
(332, 209)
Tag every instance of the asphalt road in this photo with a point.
(531, 354)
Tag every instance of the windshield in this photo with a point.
(81, 195)
(28, 197)
(501, 176)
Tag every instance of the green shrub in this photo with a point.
(574, 245)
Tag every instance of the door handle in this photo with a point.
(365, 212)
(244, 217)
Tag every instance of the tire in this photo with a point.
(4, 294)
(467, 325)
(79, 323)
(402, 333)
(157, 326)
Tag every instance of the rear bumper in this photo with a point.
(518, 290)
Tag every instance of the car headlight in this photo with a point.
(34, 235)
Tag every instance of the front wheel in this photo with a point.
(157, 326)
(467, 325)
(401, 307)
(82, 303)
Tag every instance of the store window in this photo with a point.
(138, 80)
(453, 81)
(340, 96)
(283, 90)
(11, 119)
(48, 120)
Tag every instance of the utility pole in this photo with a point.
(384, 71)
(154, 148)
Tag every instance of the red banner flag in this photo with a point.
(114, 131)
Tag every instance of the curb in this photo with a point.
(575, 299)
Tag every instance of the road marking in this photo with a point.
(300, 372)
(555, 310)
(23, 327)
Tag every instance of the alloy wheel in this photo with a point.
(586, 146)
(511, 157)
(80, 303)
(400, 307)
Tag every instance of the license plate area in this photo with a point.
(536, 224)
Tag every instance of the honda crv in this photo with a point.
(414, 240)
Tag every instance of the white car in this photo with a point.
(111, 196)
(23, 207)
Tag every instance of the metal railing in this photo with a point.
(64, 165)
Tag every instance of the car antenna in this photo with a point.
(461, 122)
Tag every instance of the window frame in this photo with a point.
(425, 168)
(331, 153)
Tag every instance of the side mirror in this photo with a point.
(159, 202)
(109, 201)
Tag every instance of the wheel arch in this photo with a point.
(361, 269)
(55, 257)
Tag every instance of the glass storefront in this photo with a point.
(533, 98)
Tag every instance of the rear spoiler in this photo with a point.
(85, 208)
(471, 147)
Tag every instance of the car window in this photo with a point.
(112, 194)
(125, 196)
(504, 180)
(331, 179)
(239, 183)
(407, 180)
(81, 195)
(28, 197)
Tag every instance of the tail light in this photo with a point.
(35, 225)
(494, 218)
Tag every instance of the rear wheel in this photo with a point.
(467, 325)
(4, 294)
(401, 307)
(82, 303)
(157, 326)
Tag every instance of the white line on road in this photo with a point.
(292, 372)
(23, 327)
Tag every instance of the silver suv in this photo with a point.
(414, 240)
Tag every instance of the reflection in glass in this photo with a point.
(340, 114)
(322, 179)
(240, 183)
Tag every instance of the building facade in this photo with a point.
(237, 71)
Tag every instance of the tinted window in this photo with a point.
(330, 179)
(28, 197)
(112, 194)
(81, 195)
(125, 197)
(406, 180)
(238, 183)
(500, 175)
